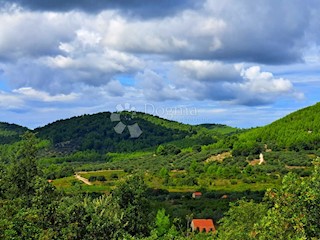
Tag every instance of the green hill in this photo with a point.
(297, 131)
(10, 133)
(219, 128)
(96, 132)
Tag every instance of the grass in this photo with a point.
(108, 174)
(66, 182)
(71, 184)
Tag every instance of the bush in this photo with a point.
(114, 176)
(101, 178)
(97, 178)
(196, 148)
(247, 180)
(233, 182)
(92, 178)
(167, 150)
(212, 195)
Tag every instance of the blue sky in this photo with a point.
(241, 63)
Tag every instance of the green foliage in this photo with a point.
(164, 173)
(298, 131)
(160, 150)
(10, 133)
(240, 220)
(21, 173)
(221, 128)
(114, 176)
(162, 223)
(168, 149)
(196, 148)
(96, 132)
(292, 212)
(131, 196)
(32, 208)
(194, 168)
(106, 219)
(76, 157)
(97, 178)
(295, 209)
(55, 171)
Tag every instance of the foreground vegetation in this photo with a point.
(32, 208)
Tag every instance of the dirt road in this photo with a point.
(84, 180)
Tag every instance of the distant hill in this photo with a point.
(96, 132)
(10, 133)
(219, 128)
(297, 131)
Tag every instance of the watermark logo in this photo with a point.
(124, 120)
(170, 111)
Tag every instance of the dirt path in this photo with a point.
(84, 180)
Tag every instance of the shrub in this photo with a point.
(101, 178)
(196, 148)
(211, 195)
(233, 182)
(92, 178)
(114, 176)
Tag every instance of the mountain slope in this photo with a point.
(299, 130)
(10, 133)
(219, 128)
(96, 132)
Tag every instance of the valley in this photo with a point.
(83, 157)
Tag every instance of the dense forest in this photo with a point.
(141, 188)
(10, 133)
(96, 132)
(297, 131)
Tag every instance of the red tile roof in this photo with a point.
(203, 224)
(197, 193)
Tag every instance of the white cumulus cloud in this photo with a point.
(29, 93)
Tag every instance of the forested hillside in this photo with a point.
(297, 131)
(96, 132)
(10, 133)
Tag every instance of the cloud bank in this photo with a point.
(66, 53)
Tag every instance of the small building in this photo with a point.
(196, 195)
(202, 225)
(261, 159)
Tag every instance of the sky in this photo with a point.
(237, 62)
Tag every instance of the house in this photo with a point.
(196, 195)
(202, 225)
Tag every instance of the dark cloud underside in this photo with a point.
(139, 8)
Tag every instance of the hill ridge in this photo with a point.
(297, 131)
